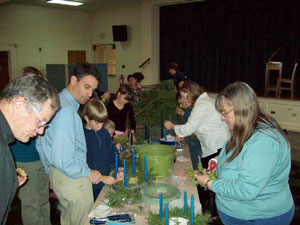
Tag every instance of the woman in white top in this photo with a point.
(205, 122)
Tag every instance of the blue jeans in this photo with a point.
(194, 144)
(195, 150)
(284, 219)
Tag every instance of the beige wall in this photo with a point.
(55, 31)
(127, 53)
(142, 38)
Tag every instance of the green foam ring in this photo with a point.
(151, 193)
(160, 158)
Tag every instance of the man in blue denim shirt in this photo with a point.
(63, 149)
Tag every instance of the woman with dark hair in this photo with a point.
(134, 80)
(120, 111)
(253, 167)
(205, 122)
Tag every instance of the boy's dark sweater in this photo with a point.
(100, 152)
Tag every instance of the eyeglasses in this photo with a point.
(42, 123)
(223, 113)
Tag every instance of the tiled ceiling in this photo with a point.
(89, 5)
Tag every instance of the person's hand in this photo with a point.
(179, 111)
(120, 176)
(118, 146)
(169, 125)
(133, 136)
(95, 177)
(108, 180)
(202, 179)
(21, 180)
(179, 139)
(106, 95)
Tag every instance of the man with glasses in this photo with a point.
(63, 149)
(26, 104)
(34, 196)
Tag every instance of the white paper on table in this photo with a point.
(178, 220)
(182, 159)
(179, 203)
(101, 211)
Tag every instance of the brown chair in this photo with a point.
(287, 81)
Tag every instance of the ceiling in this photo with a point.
(89, 5)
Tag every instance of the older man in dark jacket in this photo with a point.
(26, 105)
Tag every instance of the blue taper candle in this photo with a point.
(121, 148)
(125, 173)
(131, 138)
(167, 213)
(148, 133)
(145, 169)
(192, 210)
(185, 202)
(161, 206)
(133, 161)
(116, 165)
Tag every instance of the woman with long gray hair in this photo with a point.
(253, 166)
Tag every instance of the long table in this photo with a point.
(182, 185)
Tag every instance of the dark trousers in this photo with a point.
(207, 197)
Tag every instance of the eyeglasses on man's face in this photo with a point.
(42, 124)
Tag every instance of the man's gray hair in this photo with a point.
(34, 89)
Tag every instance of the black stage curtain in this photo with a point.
(217, 42)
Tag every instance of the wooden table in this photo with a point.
(182, 185)
(277, 66)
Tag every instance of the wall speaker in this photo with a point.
(119, 32)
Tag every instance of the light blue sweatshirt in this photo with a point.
(255, 184)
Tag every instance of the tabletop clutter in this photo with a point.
(150, 182)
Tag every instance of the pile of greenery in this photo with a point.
(156, 105)
(199, 219)
(122, 196)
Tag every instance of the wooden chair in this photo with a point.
(272, 65)
(287, 81)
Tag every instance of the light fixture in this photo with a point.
(64, 2)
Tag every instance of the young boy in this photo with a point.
(111, 127)
(100, 148)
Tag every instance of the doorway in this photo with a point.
(76, 57)
(4, 69)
